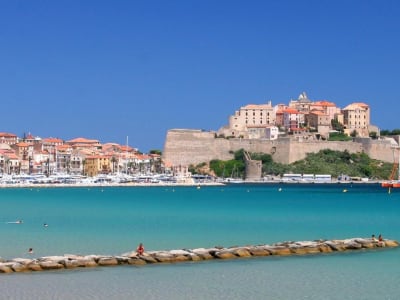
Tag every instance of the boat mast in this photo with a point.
(126, 156)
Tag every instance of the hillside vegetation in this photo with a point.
(326, 161)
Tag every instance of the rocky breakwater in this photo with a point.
(70, 261)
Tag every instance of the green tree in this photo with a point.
(373, 135)
(395, 132)
(336, 125)
(155, 151)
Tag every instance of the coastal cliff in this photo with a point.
(186, 147)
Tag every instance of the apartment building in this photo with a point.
(8, 138)
(97, 164)
(356, 117)
(252, 115)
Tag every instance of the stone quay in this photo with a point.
(71, 261)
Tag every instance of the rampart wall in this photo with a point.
(187, 146)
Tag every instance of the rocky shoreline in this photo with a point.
(71, 261)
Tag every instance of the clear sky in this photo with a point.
(114, 69)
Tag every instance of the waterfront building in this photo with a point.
(97, 164)
(9, 162)
(63, 158)
(83, 143)
(8, 138)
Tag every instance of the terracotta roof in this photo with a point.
(51, 140)
(291, 111)
(63, 147)
(356, 105)
(318, 112)
(23, 144)
(324, 103)
(81, 140)
(11, 155)
(8, 135)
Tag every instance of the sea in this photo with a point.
(114, 220)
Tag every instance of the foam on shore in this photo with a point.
(71, 261)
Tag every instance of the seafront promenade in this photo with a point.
(71, 261)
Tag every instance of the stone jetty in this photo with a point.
(71, 261)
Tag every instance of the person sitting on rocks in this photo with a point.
(373, 238)
(380, 239)
(140, 249)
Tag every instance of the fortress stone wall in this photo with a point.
(188, 146)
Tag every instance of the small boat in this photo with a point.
(387, 184)
(396, 184)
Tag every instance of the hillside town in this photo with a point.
(22, 157)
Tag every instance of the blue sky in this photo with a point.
(110, 69)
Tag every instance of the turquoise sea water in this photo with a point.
(113, 220)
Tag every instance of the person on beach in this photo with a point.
(140, 249)
(373, 238)
(380, 239)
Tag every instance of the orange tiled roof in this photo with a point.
(63, 147)
(23, 144)
(8, 135)
(51, 140)
(81, 140)
(291, 111)
(324, 103)
(11, 156)
(318, 112)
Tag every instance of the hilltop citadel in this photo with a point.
(287, 132)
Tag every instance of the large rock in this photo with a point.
(164, 257)
(224, 254)
(259, 251)
(136, 261)
(107, 261)
(241, 252)
(324, 248)
(391, 243)
(34, 266)
(280, 250)
(5, 269)
(50, 265)
(19, 267)
(148, 259)
(352, 245)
